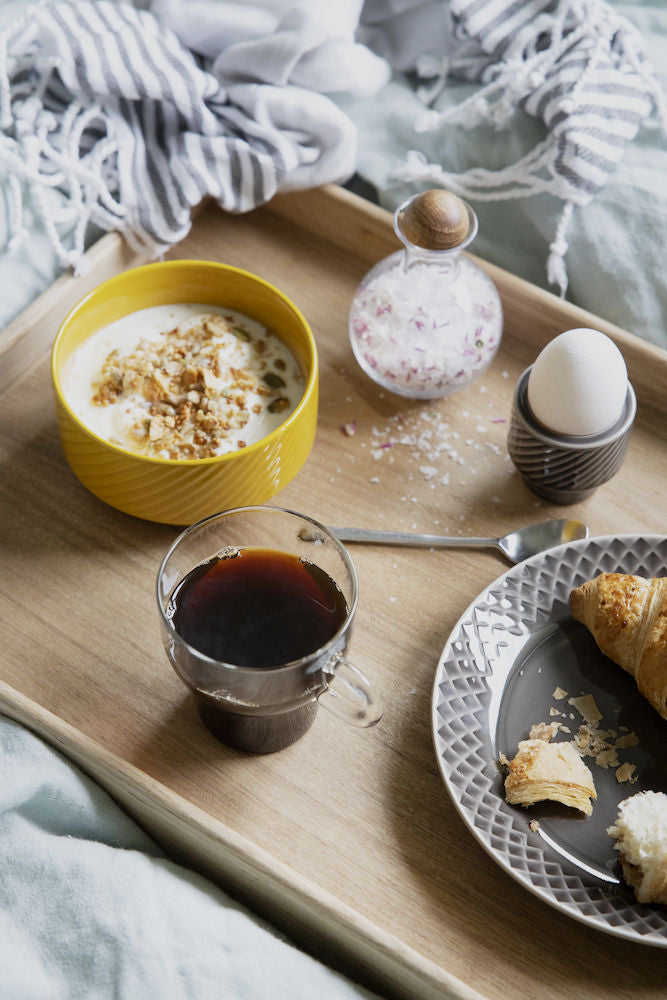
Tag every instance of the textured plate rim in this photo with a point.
(596, 916)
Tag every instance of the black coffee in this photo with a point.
(257, 608)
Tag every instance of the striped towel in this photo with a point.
(107, 119)
(576, 65)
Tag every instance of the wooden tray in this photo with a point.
(348, 839)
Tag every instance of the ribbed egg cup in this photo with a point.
(562, 468)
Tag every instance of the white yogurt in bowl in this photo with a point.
(183, 381)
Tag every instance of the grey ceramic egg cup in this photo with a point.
(562, 468)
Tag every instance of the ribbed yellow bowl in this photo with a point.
(173, 491)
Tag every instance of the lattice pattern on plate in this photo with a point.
(469, 681)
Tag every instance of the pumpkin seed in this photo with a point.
(273, 381)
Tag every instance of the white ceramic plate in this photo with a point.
(514, 646)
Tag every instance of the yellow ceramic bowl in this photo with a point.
(179, 491)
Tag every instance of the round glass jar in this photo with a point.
(426, 322)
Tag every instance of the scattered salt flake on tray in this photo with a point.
(587, 708)
(559, 694)
(625, 773)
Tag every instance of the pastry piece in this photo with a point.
(554, 771)
(641, 841)
(627, 617)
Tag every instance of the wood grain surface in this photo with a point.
(348, 838)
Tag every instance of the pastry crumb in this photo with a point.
(534, 825)
(607, 758)
(559, 694)
(543, 731)
(591, 741)
(627, 740)
(625, 773)
(587, 708)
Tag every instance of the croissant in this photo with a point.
(627, 617)
(542, 770)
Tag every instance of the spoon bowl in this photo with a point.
(516, 546)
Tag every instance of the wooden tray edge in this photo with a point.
(363, 230)
(329, 930)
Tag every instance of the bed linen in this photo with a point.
(615, 242)
(90, 907)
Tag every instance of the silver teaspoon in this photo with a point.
(516, 546)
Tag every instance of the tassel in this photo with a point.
(556, 270)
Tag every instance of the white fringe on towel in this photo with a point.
(108, 119)
(574, 64)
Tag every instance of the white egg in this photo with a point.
(578, 383)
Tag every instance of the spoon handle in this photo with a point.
(408, 538)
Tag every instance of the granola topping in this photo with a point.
(184, 382)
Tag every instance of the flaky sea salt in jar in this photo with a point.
(427, 320)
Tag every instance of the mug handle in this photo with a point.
(349, 694)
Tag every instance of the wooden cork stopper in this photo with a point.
(435, 220)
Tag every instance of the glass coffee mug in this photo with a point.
(256, 609)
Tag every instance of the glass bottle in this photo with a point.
(427, 320)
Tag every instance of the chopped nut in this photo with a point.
(189, 400)
(157, 428)
(279, 404)
(156, 386)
